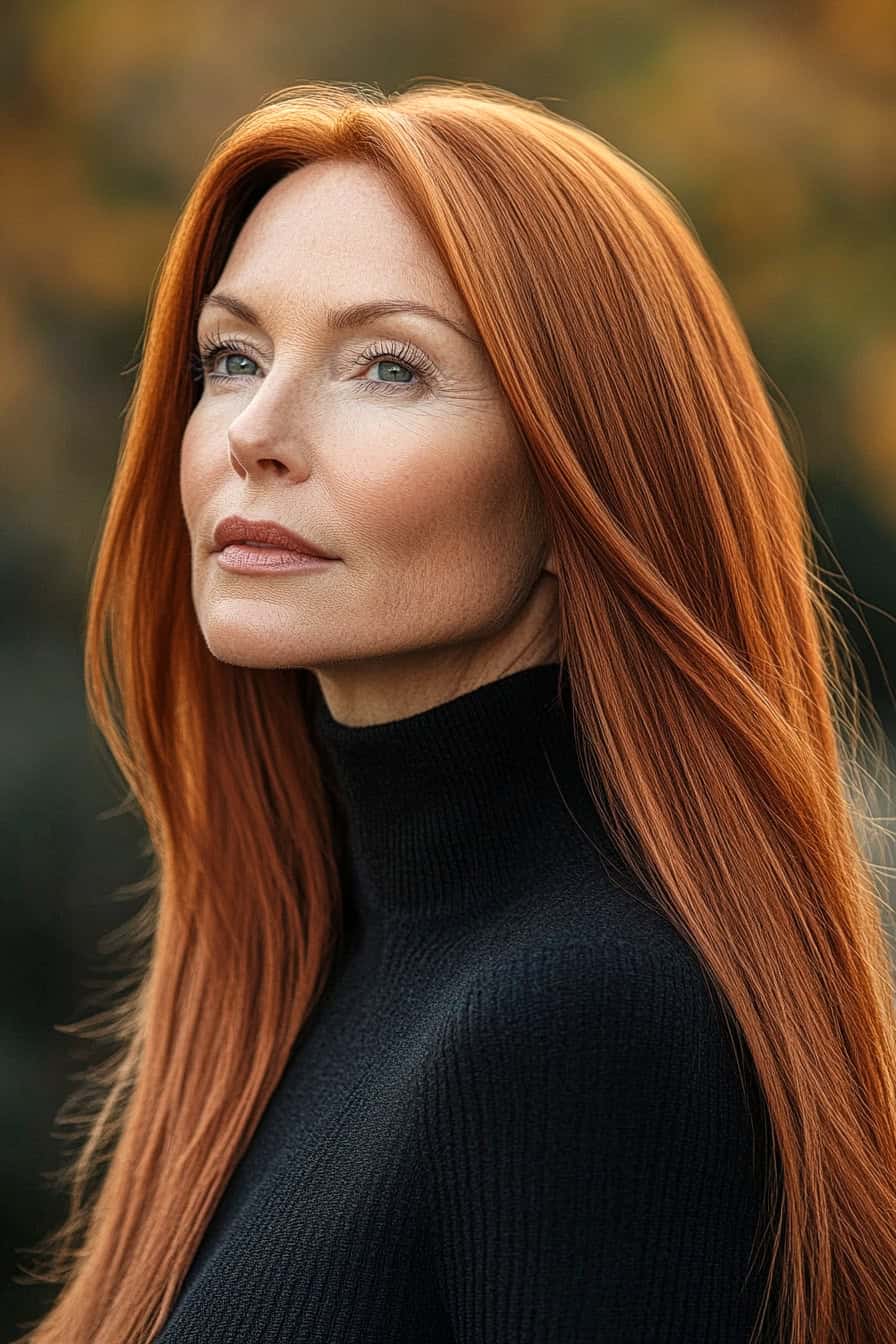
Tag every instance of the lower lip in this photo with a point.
(244, 559)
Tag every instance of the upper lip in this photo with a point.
(234, 528)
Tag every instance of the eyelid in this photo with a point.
(218, 336)
(406, 353)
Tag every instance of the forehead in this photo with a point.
(333, 231)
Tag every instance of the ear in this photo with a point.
(550, 563)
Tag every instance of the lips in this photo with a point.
(265, 532)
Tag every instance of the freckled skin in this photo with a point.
(445, 578)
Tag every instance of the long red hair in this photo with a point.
(713, 693)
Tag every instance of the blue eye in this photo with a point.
(211, 350)
(405, 357)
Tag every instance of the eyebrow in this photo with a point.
(341, 319)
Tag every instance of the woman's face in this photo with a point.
(386, 442)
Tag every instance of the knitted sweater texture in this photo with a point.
(516, 1114)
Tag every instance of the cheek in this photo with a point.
(421, 501)
(456, 501)
(198, 471)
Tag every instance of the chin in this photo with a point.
(265, 644)
(245, 646)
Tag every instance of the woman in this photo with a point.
(516, 974)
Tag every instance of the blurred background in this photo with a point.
(772, 125)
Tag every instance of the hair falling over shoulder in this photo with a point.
(712, 693)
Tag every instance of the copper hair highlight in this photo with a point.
(713, 702)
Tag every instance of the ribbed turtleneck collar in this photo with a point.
(443, 808)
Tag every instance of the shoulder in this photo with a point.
(590, 955)
(607, 1003)
(587, 1141)
(618, 1043)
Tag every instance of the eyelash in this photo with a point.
(212, 348)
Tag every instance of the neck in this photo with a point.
(439, 810)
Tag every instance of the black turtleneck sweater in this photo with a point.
(514, 1116)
